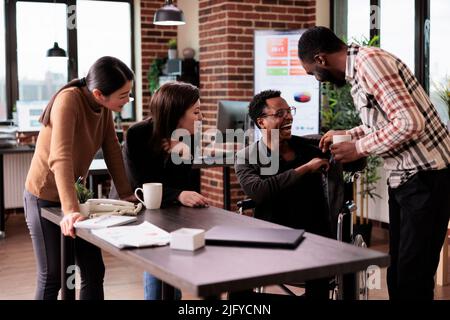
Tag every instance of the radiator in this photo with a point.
(15, 169)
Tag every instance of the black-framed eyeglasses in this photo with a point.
(281, 113)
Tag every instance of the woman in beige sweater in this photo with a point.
(77, 122)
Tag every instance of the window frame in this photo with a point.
(12, 82)
(421, 33)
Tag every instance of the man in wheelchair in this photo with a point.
(294, 192)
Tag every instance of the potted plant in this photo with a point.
(83, 195)
(172, 53)
(443, 92)
(153, 74)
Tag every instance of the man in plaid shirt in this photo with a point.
(400, 124)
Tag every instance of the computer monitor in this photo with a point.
(232, 115)
(29, 113)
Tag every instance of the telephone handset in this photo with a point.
(98, 207)
(111, 201)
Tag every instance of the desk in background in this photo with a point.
(97, 168)
(213, 270)
(8, 151)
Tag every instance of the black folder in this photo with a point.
(254, 237)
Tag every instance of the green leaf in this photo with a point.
(155, 70)
(83, 193)
(172, 43)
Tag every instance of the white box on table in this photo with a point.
(187, 239)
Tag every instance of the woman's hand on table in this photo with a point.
(68, 221)
(193, 199)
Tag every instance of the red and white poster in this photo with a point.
(277, 67)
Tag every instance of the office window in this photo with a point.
(397, 34)
(439, 52)
(3, 107)
(39, 25)
(358, 22)
(104, 29)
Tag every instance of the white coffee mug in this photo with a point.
(342, 138)
(152, 195)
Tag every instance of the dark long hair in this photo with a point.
(167, 106)
(107, 74)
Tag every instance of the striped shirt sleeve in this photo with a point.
(379, 76)
(357, 132)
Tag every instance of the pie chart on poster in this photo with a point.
(302, 97)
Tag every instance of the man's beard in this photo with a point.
(326, 76)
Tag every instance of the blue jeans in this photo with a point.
(152, 288)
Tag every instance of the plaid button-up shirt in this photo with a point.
(399, 122)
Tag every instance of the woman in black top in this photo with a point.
(152, 150)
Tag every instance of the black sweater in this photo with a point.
(286, 197)
(143, 165)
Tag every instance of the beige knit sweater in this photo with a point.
(65, 148)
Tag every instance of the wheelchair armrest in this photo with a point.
(246, 204)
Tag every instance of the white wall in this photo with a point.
(188, 34)
(323, 13)
(378, 208)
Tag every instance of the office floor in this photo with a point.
(122, 282)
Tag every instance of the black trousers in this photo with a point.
(46, 244)
(419, 212)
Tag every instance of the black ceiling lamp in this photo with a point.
(169, 15)
(56, 51)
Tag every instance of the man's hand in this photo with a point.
(317, 164)
(313, 165)
(67, 223)
(193, 199)
(345, 152)
(327, 139)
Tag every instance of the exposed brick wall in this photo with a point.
(154, 43)
(226, 60)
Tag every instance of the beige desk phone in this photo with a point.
(99, 207)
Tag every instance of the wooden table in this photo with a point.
(212, 270)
